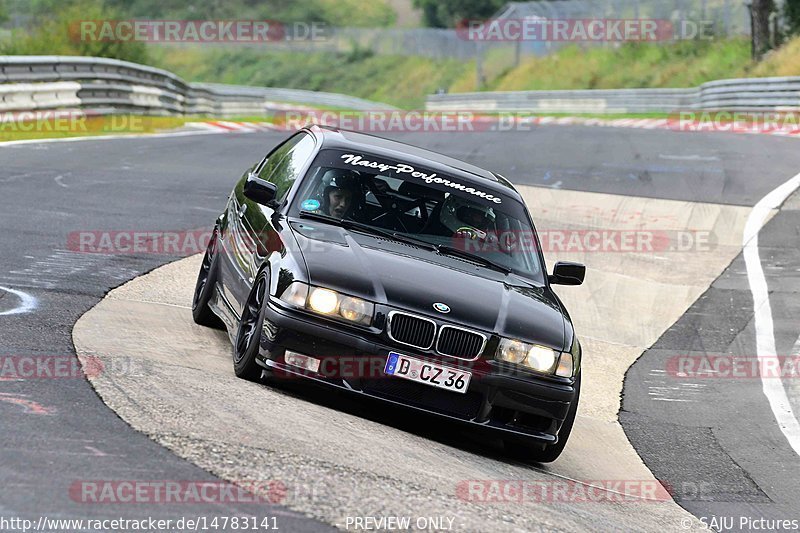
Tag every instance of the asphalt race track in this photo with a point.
(715, 443)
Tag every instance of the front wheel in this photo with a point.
(248, 335)
(205, 287)
(546, 453)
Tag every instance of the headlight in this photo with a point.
(535, 357)
(512, 351)
(323, 301)
(541, 359)
(329, 303)
(354, 309)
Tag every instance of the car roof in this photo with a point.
(351, 140)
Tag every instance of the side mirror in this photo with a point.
(260, 191)
(566, 273)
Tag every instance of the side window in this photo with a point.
(283, 166)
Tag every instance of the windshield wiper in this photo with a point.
(321, 217)
(366, 228)
(408, 239)
(450, 250)
(443, 249)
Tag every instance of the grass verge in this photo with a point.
(58, 126)
(406, 81)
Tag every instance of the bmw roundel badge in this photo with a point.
(442, 308)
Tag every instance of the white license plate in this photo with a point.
(443, 377)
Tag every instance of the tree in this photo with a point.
(449, 13)
(55, 33)
(791, 13)
(760, 11)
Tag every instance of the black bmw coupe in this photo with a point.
(400, 274)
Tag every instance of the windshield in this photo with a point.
(416, 202)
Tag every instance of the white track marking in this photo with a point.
(27, 302)
(765, 336)
(112, 137)
(688, 157)
(590, 483)
(59, 182)
(96, 452)
(204, 126)
(20, 176)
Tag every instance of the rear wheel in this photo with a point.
(546, 453)
(248, 335)
(205, 287)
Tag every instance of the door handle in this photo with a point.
(242, 210)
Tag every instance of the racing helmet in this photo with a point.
(337, 178)
(458, 213)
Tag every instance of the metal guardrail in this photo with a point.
(31, 96)
(765, 94)
(66, 82)
(747, 94)
(59, 82)
(589, 101)
(296, 96)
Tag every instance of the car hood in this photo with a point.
(413, 278)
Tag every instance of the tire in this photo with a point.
(205, 286)
(547, 453)
(248, 335)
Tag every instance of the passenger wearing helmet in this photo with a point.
(477, 217)
(340, 193)
(467, 219)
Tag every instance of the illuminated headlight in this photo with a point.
(541, 359)
(535, 357)
(323, 301)
(329, 302)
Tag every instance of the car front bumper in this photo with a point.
(499, 398)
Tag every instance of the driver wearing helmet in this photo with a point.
(340, 193)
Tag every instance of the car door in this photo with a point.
(251, 234)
